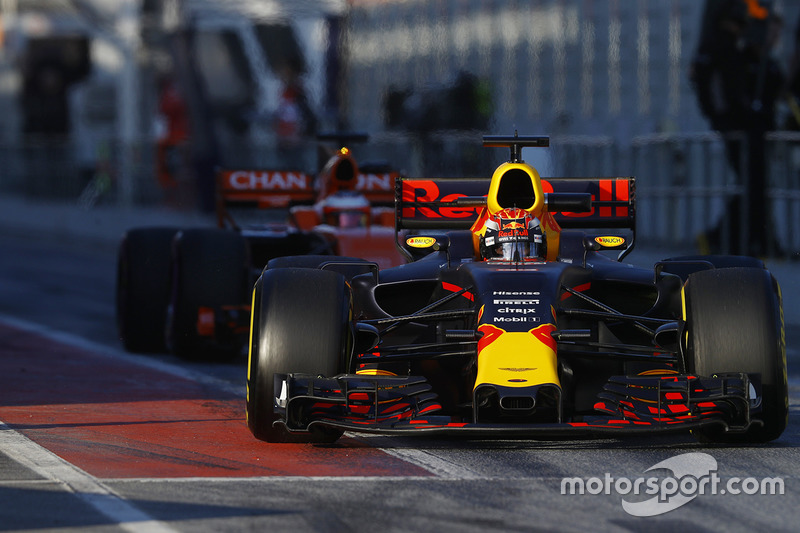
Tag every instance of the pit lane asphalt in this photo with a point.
(474, 485)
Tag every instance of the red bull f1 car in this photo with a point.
(518, 318)
(187, 290)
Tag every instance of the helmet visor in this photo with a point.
(515, 251)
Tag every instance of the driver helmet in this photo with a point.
(345, 209)
(512, 235)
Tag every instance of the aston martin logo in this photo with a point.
(518, 369)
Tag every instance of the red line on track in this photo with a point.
(116, 419)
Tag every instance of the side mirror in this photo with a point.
(595, 243)
(590, 245)
(442, 244)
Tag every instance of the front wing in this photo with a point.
(627, 405)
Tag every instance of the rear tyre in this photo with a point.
(143, 288)
(210, 268)
(734, 323)
(300, 324)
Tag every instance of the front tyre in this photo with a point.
(734, 321)
(299, 324)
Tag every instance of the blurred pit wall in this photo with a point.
(683, 180)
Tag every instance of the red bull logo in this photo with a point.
(512, 235)
(513, 225)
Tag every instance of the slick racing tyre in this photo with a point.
(300, 324)
(734, 323)
(143, 287)
(210, 269)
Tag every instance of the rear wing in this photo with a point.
(433, 203)
(454, 203)
(265, 188)
(280, 189)
(260, 189)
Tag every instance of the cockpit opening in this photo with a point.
(516, 190)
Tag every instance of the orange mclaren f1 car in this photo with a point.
(187, 290)
(517, 318)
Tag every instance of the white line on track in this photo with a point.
(53, 468)
(437, 466)
(424, 459)
(269, 479)
(86, 487)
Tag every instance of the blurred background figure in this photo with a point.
(173, 136)
(45, 101)
(51, 68)
(295, 122)
(738, 83)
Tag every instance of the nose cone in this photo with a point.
(516, 359)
